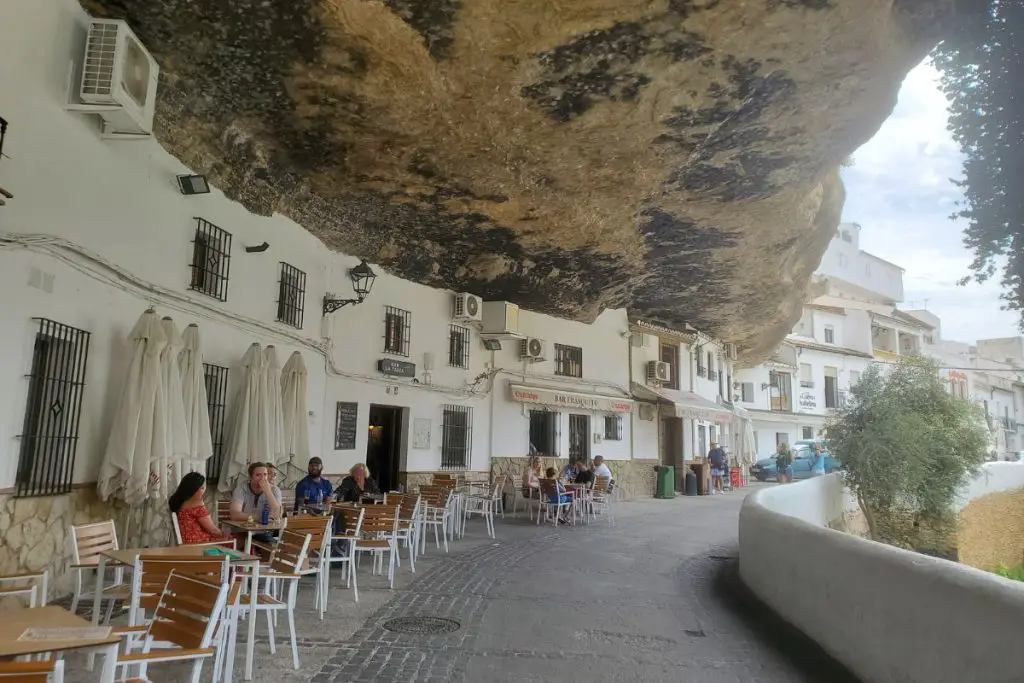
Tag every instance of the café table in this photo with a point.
(16, 621)
(127, 556)
(251, 528)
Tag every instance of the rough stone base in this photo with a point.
(633, 478)
(992, 531)
(413, 480)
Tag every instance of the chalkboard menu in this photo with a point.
(345, 417)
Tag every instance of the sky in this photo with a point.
(900, 192)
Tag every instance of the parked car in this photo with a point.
(764, 469)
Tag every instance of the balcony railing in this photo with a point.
(701, 371)
(1009, 424)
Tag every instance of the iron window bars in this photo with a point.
(544, 432)
(613, 428)
(568, 360)
(458, 346)
(216, 377)
(291, 296)
(211, 260)
(49, 438)
(397, 324)
(456, 437)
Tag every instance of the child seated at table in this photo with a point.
(559, 495)
(194, 521)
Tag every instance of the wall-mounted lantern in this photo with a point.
(362, 277)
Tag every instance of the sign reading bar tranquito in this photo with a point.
(566, 399)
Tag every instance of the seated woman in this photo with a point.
(357, 484)
(531, 478)
(559, 495)
(194, 521)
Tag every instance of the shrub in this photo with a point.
(1016, 573)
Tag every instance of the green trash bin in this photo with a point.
(666, 487)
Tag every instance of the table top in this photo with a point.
(128, 555)
(252, 527)
(15, 622)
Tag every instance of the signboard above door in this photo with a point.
(396, 368)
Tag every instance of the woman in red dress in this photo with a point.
(193, 518)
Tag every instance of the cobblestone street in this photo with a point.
(654, 598)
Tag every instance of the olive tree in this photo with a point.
(907, 446)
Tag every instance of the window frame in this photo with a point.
(568, 360)
(613, 427)
(456, 437)
(830, 334)
(744, 396)
(215, 378)
(549, 428)
(673, 363)
(397, 331)
(458, 346)
(291, 282)
(211, 260)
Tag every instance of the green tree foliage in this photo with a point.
(982, 64)
(907, 446)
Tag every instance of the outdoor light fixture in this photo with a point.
(193, 184)
(3, 134)
(492, 344)
(362, 277)
(258, 249)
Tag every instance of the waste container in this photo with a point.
(690, 484)
(666, 487)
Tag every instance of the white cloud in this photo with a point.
(900, 191)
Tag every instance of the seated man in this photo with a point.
(584, 475)
(252, 496)
(357, 484)
(602, 470)
(313, 489)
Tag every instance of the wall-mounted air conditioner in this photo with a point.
(658, 371)
(500, 318)
(532, 349)
(468, 308)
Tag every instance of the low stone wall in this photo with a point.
(413, 480)
(992, 530)
(633, 478)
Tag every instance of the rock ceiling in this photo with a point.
(674, 156)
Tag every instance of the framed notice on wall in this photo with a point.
(346, 415)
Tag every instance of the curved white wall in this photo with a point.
(888, 614)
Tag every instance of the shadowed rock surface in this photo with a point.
(677, 157)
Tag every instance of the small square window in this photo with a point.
(830, 334)
(568, 360)
(747, 389)
(458, 346)
(613, 428)
(397, 324)
(291, 296)
(211, 260)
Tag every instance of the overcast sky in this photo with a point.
(899, 190)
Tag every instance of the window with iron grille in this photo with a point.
(216, 377)
(670, 355)
(456, 437)
(613, 428)
(397, 324)
(291, 296)
(544, 433)
(568, 360)
(458, 346)
(49, 438)
(211, 260)
(701, 370)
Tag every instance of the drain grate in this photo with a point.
(424, 626)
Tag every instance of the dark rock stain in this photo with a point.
(802, 4)
(432, 19)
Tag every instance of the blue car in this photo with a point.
(764, 469)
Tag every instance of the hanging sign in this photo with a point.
(396, 368)
(567, 399)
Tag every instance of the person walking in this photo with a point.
(818, 461)
(719, 462)
(784, 464)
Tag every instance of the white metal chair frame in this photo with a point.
(438, 517)
(377, 543)
(484, 505)
(548, 490)
(349, 537)
(408, 525)
(36, 590)
(88, 541)
(18, 672)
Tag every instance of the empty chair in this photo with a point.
(31, 585)
(88, 542)
(32, 672)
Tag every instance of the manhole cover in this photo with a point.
(422, 625)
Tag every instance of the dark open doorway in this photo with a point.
(579, 438)
(384, 446)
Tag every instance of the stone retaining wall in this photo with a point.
(633, 478)
(992, 530)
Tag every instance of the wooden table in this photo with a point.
(250, 528)
(127, 556)
(14, 623)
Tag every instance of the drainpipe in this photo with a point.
(693, 422)
(490, 439)
(632, 413)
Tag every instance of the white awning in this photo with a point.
(558, 398)
(685, 404)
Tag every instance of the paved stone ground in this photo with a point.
(654, 598)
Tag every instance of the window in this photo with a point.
(747, 392)
(458, 346)
(670, 355)
(854, 377)
(568, 360)
(456, 437)
(781, 438)
(396, 331)
(846, 237)
(711, 366)
(49, 438)
(831, 387)
(613, 428)
(211, 260)
(842, 261)
(781, 388)
(216, 378)
(701, 370)
(544, 433)
(291, 296)
(807, 432)
(830, 334)
(806, 376)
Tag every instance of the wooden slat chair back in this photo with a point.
(443, 479)
(32, 672)
(601, 485)
(289, 556)
(288, 500)
(318, 527)
(32, 585)
(153, 571)
(223, 510)
(88, 543)
(379, 520)
(498, 485)
(548, 493)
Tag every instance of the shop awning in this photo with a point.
(684, 404)
(557, 398)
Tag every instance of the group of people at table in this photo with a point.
(259, 493)
(577, 473)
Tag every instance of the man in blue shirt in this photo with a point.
(313, 489)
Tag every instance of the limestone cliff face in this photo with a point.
(674, 156)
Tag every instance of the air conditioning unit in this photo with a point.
(119, 72)
(658, 371)
(468, 308)
(532, 349)
(500, 318)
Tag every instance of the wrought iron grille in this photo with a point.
(397, 326)
(613, 428)
(579, 438)
(49, 438)
(458, 346)
(544, 433)
(291, 296)
(211, 260)
(216, 377)
(568, 360)
(456, 437)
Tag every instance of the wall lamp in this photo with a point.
(362, 277)
(764, 385)
(193, 184)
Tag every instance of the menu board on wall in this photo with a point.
(345, 417)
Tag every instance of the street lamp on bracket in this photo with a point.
(362, 277)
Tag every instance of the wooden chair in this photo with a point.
(32, 672)
(410, 508)
(601, 498)
(223, 510)
(317, 560)
(352, 519)
(152, 572)
(186, 618)
(437, 513)
(88, 542)
(549, 492)
(33, 585)
(485, 505)
(377, 537)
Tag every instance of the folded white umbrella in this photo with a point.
(247, 434)
(137, 435)
(293, 397)
(197, 415)
(176, 463)
(749, 452)
(275, 418)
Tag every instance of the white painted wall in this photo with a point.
(118, 200)
(887, 608)
(857, 274)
